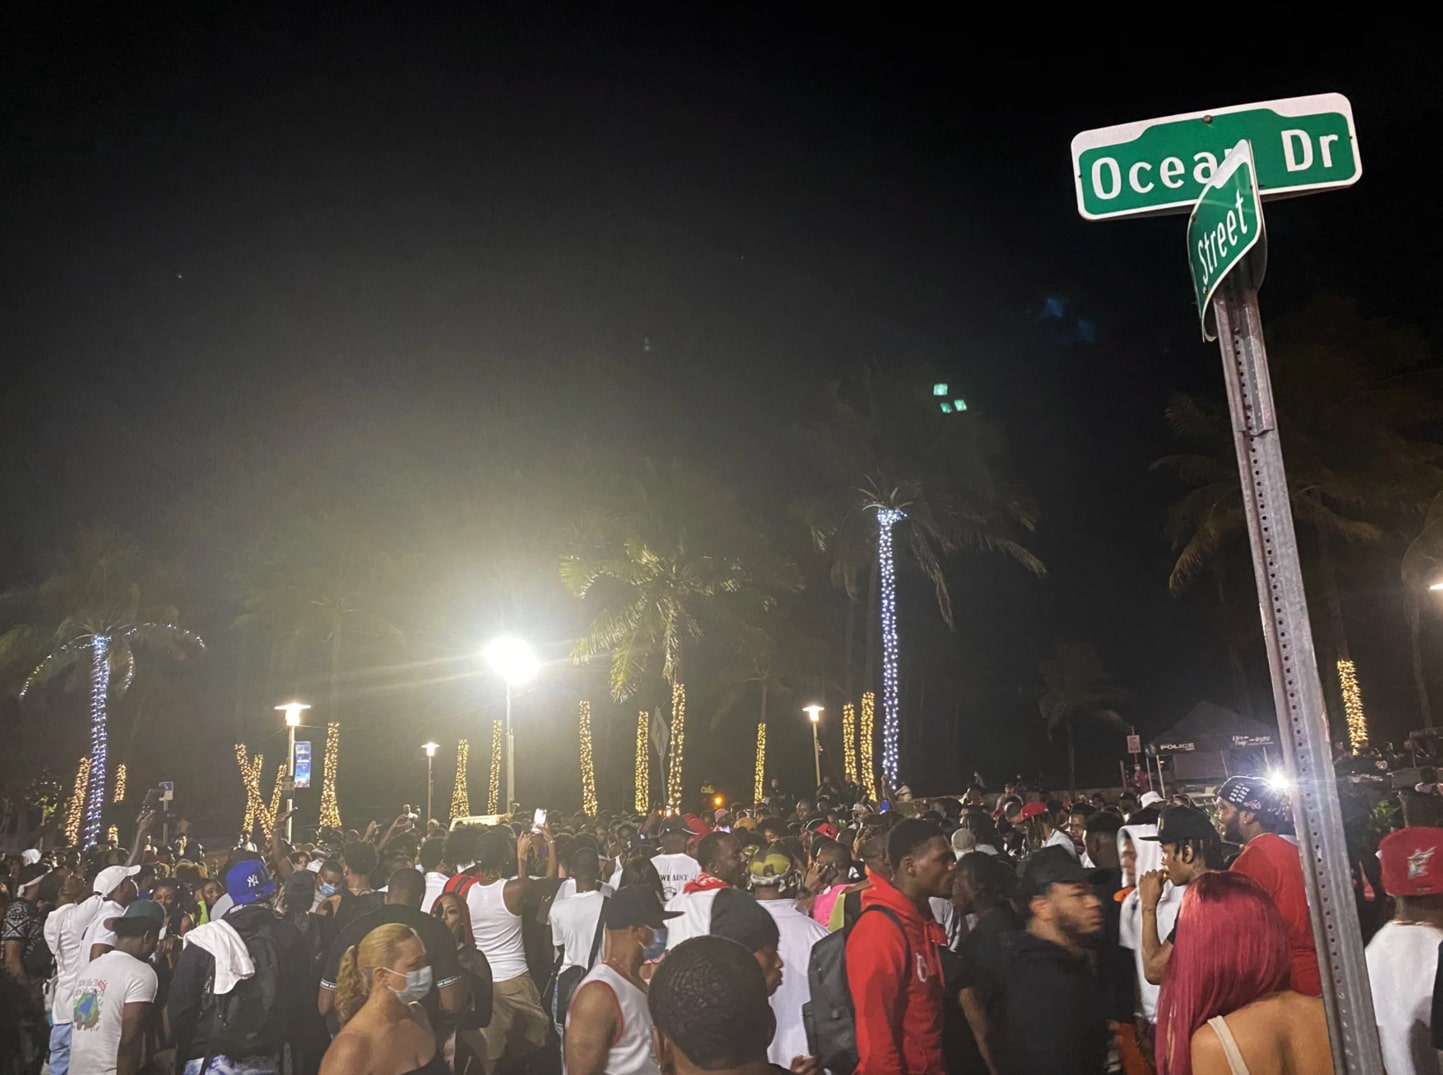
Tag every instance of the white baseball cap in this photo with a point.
(1149, 798)
(109, 879)
(30, 856)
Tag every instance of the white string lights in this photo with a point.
(891, 730)
(493, 792)
(460, 795)
(588, 768)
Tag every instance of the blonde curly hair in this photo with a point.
(379, 948)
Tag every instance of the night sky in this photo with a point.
(226, 227)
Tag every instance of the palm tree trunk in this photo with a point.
(851, 645)
(1414, 640)
(99, 740)
(336, 631)
(1333, 604)
(1236, 669)
(874, 584)
(242, 652)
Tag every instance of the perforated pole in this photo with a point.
(1297, 690)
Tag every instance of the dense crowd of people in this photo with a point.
(995, 933)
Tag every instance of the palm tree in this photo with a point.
(320, 592)
(657, 563)
(899, 463)
(1422, 563)
(1074, 684)
(90, 622)
(1347, 408)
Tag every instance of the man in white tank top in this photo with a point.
(608, 1027)
(518, 1022)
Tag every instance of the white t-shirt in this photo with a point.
(1129, 929)
(798, 932)
(1402, 960)
(675, 871)
(1061, 839)
(64, 929)
(573, 921)
(103, 990)
(435, 882)
(96, 933)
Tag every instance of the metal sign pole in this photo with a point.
(1297, 691)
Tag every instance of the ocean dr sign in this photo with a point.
(1157, 166)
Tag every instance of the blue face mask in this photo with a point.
(326, 889)
(657, 948)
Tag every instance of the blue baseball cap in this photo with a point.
(248, 881)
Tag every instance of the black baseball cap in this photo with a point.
(636, 905)
(1049, 866)
(140, 917)
(739, 917)
(1178, 823)
(675, 823)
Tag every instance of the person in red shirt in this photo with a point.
(895, 974)
(1252, 813)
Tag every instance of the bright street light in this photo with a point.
(814, 714)
(293, 711)
(1437, 585)
(512, 660)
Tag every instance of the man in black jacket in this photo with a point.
(1052, 1012)
(223, 1018)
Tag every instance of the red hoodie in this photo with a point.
(896, 986)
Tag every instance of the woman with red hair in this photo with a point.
(1225, 1007)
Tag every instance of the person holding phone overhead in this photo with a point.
(519, 1024)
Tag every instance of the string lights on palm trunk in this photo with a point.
(268, 818)
(643, 762)
(119, 796)
(493, 790)
(759, 784)
(460, 795)
(891, 720)
(99, 738)
(1353, 705)
(75, 809)
(868, 733)
(250, 770)
(588, 769)
(674, 784)
(849, 741)
(330, 817)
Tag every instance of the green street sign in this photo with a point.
(1226, 224)
(1300, 145)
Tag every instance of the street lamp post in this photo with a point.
(293, 711)
(430, 749)
(512, 660)
(814, 714)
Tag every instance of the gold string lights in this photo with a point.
(331, 812)
(588, 768)
(76, 806)
(869, 768)
(1353, 705)
(643, 761)
(460, 794)
(493, 791)
(268, 817)
(678, 740)
(250, 770)
(119, 783)
(849, 741)
(760, 784)
(113, 836)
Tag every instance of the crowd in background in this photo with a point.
(1000, 932)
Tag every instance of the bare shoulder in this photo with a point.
(349, 1054)
(1208, 1056)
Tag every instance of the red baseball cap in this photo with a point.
(1412, 861)
(1033, 810)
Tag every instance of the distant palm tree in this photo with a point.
(1074, 684)
(1421, 567)
(1348, 410)
(901, 464)
(320, 591)
(90, 621)
(657, 561)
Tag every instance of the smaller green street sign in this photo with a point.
(1225, 226)
(1300, 145)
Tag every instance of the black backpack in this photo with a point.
(247, 1021)
(829, 1018)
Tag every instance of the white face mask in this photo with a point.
(418, 984)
